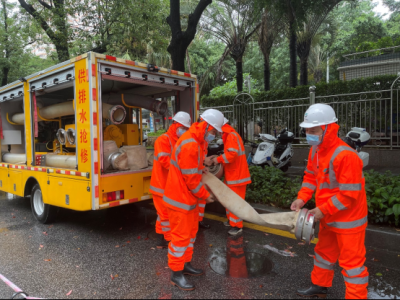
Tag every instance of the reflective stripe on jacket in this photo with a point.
(234, 159)
(334, 173)
(162, 155)
(184, 186)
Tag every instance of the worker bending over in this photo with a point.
(236, 170)
(334, 173)
(182, 192)
(162, 156)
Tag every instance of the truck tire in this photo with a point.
(44, 213)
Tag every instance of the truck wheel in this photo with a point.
(44, 213)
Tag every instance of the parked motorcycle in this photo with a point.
(273, 151)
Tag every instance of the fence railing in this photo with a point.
(376, 111)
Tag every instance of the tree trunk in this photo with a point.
(4, 80)
(181, 40)
(6, 43)
(267, 75)
(304, 71)
(239, 75)
(293, 56)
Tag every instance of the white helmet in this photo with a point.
(318, 115)
(214, 117)
(183, 119)
(226, 121)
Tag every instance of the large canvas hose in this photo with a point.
(116, 113)
(14, 158)
(243, 210)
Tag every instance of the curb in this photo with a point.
(384, 238)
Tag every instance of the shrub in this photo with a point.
(271, 186)
(338, 87)
(383, 195)
(157, 133)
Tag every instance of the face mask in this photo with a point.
(180, 132)
(209, 138)
(313, 139)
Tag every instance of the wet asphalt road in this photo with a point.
(108, 254)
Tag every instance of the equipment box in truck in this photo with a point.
(69, 138)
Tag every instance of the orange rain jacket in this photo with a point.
(334, 173)
(162, 156)
(184, 186)
(236, 169)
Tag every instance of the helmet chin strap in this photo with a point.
(323, 135)
(208, 126)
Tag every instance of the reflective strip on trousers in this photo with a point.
(176, 254)
(355, 272)
(349, 225)
(339, 205)
(165, 224)
(157, 190)
(202, 205)
(190, 171)
(165, 229)
(321, 260)
(201, 214)
(197, 189)
(178, 249)
(235, 221)
(158, 218)
(322, 265)
(309, 185)
(238, 181)
(179, 204)
(357, 280)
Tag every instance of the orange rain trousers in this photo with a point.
(349, 249)
(202, 208)
(184, 227)
(162, 224)
(233, 220)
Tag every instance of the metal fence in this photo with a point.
(377, 111)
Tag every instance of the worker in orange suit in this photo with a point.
(162, 156)
(182, 192)
(334, 173)
(236, 170)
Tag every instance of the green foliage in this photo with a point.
(230, 88)
(323, 89)
(383, 195)
(157, 133)
(271, 186)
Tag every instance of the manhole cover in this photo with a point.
(238, 263)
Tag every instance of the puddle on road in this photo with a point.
(380, 289)
(234, 261)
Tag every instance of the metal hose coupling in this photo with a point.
(217, 170)
(305, 226)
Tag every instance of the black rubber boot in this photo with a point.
(204, 225)
(189, 270)
(162, 243)
(314, 291)
(179, 280)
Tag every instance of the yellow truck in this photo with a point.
(57, 126)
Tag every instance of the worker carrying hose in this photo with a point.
(162, 156)
(182, 192)
(334, 173)
(236, 170)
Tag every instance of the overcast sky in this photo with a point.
(381, 9)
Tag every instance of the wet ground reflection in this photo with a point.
(379, 289)
(237, 262)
